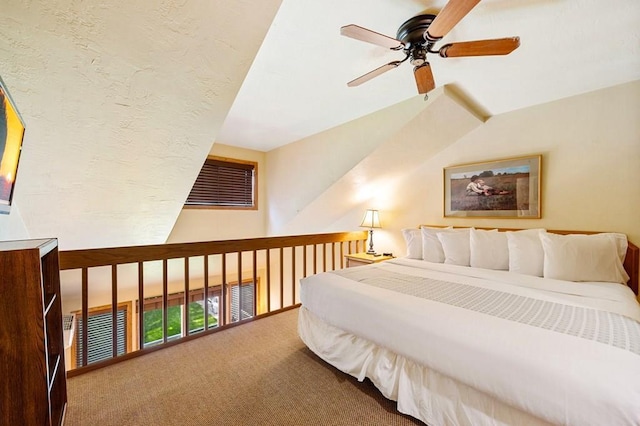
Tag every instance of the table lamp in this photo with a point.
(371, 220)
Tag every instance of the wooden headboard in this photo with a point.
(631, 261)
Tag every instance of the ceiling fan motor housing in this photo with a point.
(411, 33)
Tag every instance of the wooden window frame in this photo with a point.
(254, 189)
(98, 310)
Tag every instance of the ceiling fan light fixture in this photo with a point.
(418, 57)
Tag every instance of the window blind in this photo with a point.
(99, 330)
(223, 184)
(246, 310)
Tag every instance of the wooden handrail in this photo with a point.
(89, 258)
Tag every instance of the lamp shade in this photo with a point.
(371, 219)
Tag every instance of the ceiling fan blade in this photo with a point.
(499, 46)
(448, 17)
(424, 78)
(363, 34)
(371, 74)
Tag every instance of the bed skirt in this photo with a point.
(420, 392)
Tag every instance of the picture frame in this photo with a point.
(504, 188)
(11, 138)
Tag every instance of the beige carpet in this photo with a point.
(258, 373)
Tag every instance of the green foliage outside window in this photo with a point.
(153, 321)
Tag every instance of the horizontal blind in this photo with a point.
(246, 310)
(99, 332)
(224, 184)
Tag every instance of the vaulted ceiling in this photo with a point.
(122, 100)
(297, 83)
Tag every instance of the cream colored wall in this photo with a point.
(591, 165)
(299, 173)
(413, 132)
(211, 224)
(12, 226)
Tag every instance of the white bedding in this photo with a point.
(528, 370)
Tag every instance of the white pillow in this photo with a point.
(413, 241)
(620, 240)
(489, 249)
(583, 258)
(431, 246)
(456, 246)
(525, 252)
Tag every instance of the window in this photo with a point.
(99, 334)
(225, 183)
(153, 321)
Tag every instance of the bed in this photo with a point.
(494, 327)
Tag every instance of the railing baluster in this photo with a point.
(304, 261)
(281, 277)
(165, 300)
(268, 280)
(324, 257)
(222, 304)
(187, 297)
(141, 305)
(206, 292)
(239, 286)
(293, 275)
(114, 310)
(255, 283)
(341, 255)
(333, 256)
(315, 259)
(85, 316)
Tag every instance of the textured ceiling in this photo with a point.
(297, 84)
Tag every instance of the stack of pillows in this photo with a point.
(574, 257)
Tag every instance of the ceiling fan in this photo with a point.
(418, 35)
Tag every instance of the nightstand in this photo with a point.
(359, 259)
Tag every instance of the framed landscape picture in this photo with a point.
(507, 188)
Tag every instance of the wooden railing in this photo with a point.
(133, 276)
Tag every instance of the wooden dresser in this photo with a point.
(33, 389)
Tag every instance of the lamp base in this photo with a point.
(371, 251)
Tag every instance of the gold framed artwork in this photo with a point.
(506, 188)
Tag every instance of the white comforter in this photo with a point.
(553, 376)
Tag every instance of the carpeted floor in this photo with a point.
(259, 373)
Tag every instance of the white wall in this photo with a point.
(591, 165)
(215, 224)
(299, 173)
(12, 226)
